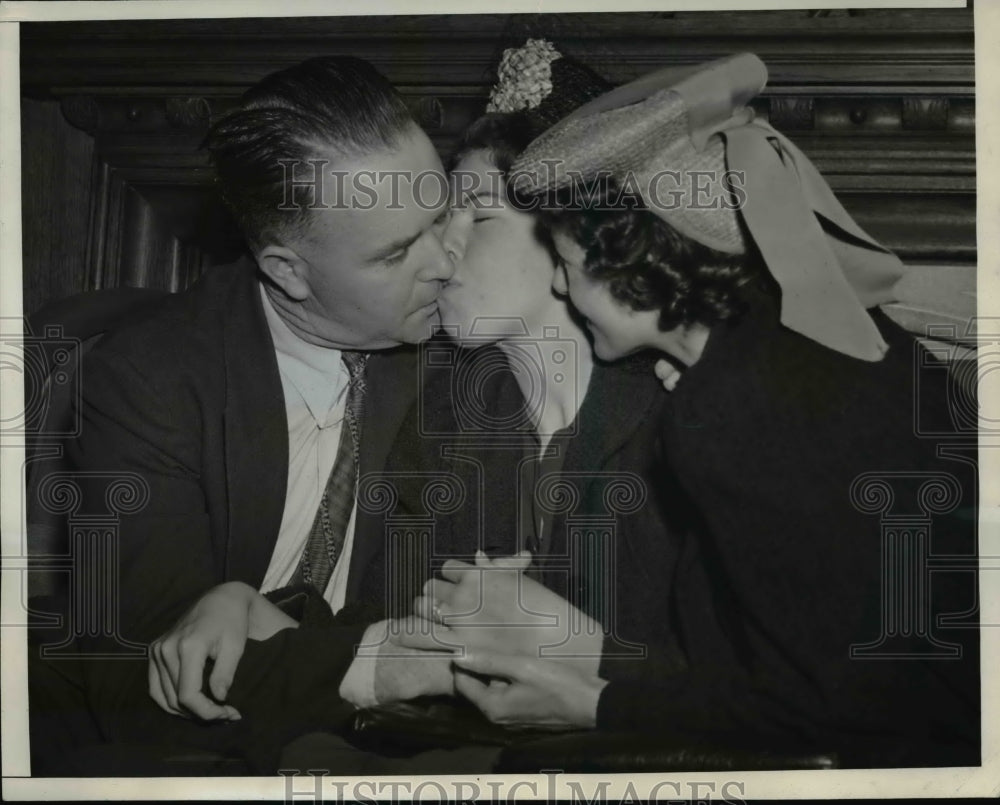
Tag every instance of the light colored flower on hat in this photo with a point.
(524, 78)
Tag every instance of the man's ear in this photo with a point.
(287, 270)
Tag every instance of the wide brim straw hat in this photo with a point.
(687, 142)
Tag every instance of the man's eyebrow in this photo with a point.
(391, 248)
(400, 243)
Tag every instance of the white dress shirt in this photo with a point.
(314, 381)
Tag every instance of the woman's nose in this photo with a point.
(456, 233)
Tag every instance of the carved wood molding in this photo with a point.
(137, 113)
(927, 113)
(188, 113)
(792, 113)
(870, 114)
(883, 101)
(871, 47)
(447, 113)
(82, 111)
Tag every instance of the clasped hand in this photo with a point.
(523, 654)
(216, 627)
(493, 606)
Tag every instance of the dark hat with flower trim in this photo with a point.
(543, 84)
(685, 139)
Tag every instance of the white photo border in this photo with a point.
(836, 784)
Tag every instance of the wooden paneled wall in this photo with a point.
(117, 192)
(57, 165)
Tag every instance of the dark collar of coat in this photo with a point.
(256, 428)
(620, 397)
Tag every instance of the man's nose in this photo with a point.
(456, 234)
(439, 265)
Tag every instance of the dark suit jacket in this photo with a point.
(189, 400)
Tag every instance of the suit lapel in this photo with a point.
(391, 386)
(256, 428)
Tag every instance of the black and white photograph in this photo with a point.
(542, 400)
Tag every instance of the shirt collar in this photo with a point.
(318, 373)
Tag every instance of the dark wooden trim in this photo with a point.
(871, 47)
(882, 100)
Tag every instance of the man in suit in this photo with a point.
(248, 407)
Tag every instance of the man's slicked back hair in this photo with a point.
(337, 104)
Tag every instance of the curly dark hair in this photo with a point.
(645, 262)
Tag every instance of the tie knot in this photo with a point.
(355, 363)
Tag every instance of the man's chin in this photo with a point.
(418, 331)
(455, 325)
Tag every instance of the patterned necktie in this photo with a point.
(329, 529)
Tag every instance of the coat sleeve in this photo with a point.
(144, 440)
(289, 684)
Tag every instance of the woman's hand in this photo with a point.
(493, 606)
(667, 373)
(524, 691)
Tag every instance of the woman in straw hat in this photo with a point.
(684, 225)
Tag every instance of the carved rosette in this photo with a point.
(81, 111)
(788, 113)
(188, 113)
(925, 114)
(429, 113)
